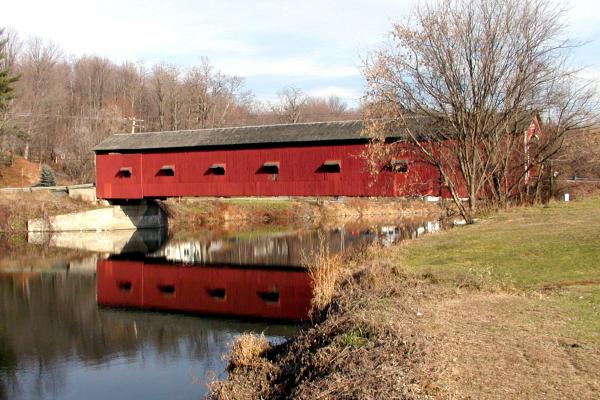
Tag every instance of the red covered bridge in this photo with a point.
(309, 159)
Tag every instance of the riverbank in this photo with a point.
(506, 308)
(196, 212)
(17, 208)
(190, 213)
(206, 216)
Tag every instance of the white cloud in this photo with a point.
(291, 66)
(312, 41)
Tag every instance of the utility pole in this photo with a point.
(134, 121)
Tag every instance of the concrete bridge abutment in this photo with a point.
(114, 217)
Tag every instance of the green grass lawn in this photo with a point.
(529, 247)
(552, 250)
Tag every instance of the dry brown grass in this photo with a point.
(350, 353)
(21, 173)
(325, 270)
(388, 333)
(245, 355)
(499, 346)
(17, 208)
(246, 350)
(241, 212)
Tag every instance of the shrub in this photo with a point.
(324, 268)
(246, 350)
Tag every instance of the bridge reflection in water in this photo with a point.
(56, 342)
(251, 293)
(246, 275)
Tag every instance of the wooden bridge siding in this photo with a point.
(108, 183)
(298, 175)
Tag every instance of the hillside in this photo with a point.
(20, 173)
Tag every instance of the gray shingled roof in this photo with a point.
(247, 135)
(268, 134)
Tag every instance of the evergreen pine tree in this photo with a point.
(6, 79)
(46, 177)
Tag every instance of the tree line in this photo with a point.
(60, 106)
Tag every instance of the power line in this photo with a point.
(26, 115)
(233, 122)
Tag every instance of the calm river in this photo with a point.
(149, 315)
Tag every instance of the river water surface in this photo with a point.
(150, 315)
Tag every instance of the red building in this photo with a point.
(309, 159)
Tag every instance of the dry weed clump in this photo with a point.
(246, 350)
(328, 271)
(325, 269)
(248, 370)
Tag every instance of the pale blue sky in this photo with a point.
(314, 45)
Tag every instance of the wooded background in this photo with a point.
(64, 105)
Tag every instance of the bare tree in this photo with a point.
(579, 156)
(330, 108)
(464, 80)
(41, 94)
(290, 105)
(164, 82)
(210, 95)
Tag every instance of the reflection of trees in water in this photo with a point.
(8, 365)
(287, 248)
(50, 322)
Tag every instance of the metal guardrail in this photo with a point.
(48, 188)
(581, 180)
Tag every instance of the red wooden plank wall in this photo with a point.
(299, 174)
(109, 183)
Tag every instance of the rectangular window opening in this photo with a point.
(217, 294)
(166, 290)
(124, 172)
(271, 297)
(270, 167)
(397, 165)
(331, 167)
(124, 286)
(166, 170)
(216, 169)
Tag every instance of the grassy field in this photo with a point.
(531, 248)
(507, 308)
(552, 251)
